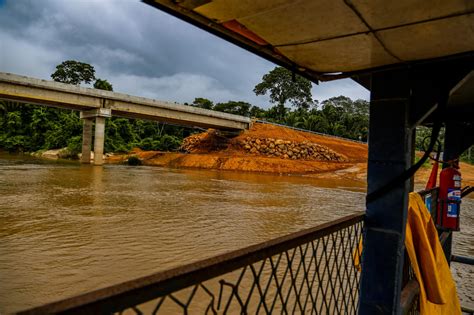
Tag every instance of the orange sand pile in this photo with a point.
(354, 151)
(212, 150)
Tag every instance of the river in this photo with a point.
(67, 228)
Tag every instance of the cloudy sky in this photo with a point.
(140, 50)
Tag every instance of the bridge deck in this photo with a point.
(50, 93)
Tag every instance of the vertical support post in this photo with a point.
(99, 140)
(448, 248)
(86, 140)
(390, 154)
(452, 149)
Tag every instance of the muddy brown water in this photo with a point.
(66, 228)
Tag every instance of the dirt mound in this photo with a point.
(211, 141)
(287, 149)
(206, 142)
(352, 150)
(251, 152)
(277, 142)
(263, 148)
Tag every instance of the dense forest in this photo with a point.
(29, 128)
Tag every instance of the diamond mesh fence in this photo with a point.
(313, 271)
(316, 277)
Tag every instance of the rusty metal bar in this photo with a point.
(444, 237)
(423, 193)
(128, 294)
(463, 260)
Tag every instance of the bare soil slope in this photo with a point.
(272, 149)
(294, 152)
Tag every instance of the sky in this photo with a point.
(138, 49)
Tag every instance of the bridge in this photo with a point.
(98, 105)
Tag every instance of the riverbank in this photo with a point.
(263, 149)
(275, 150)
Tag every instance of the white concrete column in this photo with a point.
(86, 140)
(99, 114)
(99, 140)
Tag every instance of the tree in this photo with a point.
(257, 112)
(74, 72)
(26, 127)
(232, 107)
(103, 85)
(202, 103)
(284, 87)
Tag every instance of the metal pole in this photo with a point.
(390, 154)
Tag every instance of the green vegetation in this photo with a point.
(284, 86)
(29, 128)
(423, 135)
(339, 116)
(74, 72)
(468, 155)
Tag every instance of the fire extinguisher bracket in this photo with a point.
(449, 199)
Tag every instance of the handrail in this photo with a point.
(128, 294)
(444, 237)
(309, 131)
(462, 260)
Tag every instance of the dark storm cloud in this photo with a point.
(139, 49)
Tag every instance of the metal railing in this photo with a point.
(306, 130)
(308, 272)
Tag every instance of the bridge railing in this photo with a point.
(308, 272)
(308, 131)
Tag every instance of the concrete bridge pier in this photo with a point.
(86, 140)
(99, 134)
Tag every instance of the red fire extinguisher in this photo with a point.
(449, 199)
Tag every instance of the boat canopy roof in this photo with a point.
(325, 40)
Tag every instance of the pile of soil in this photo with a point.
(206, 142)
(214, 150)
(352, 150)
(251, 152)
(212, 141)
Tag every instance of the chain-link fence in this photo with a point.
(313, 271)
